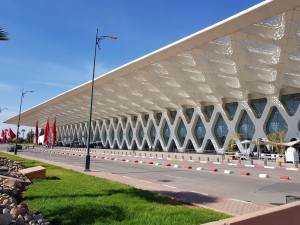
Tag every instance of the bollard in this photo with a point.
(175, 156)
(207, 159)
(199, 158)
(240, 162)
(145, 153)
(156, 155)
(191, 157)
(296, 164)
(218, 160)
(150, 155)
(228, 160)
(279, 164)
(162, 155)
(140, 154)
(265, 162)
(182, 157)
(251, 161)
(168, 156)
(223, 157)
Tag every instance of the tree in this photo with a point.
(278, 137)
(3, 35)
(232, 142)
(23, 133)
(30, 136)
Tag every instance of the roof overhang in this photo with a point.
(256, 52)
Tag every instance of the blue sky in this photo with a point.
(52, 41)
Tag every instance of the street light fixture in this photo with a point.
(97, 43)
(18, 126)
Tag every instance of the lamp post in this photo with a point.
(97, 43)
(18, 126)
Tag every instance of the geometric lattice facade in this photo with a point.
(242, 74)
(130, 130)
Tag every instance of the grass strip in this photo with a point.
(67, 197)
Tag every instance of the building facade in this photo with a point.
(241, 75)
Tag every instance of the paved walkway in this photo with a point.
(227, 205)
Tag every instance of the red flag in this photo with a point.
(4, 139)
(11, 134)
(46, 132)
(3, 135)
(54, 131)
(36, 132)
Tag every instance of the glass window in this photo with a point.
(246, 127)
(221, 130)
(199, 131)
(152, 134)
(130, 135)
(173, 114)
(112, 135)
(181, 132)
(208, 110)
(104, 136)
(166, 133)
(146, 118)
(258, 106)
(276, 122)
(291, 103)
(120, 135)
(158, 116)
(231, 109)
(189, 112)
(141, 134)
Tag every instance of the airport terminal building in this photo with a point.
(241, 75)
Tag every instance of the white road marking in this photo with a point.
(169, 186)
(126, 177)
(146, 181)
(237, 200)
(197, 192)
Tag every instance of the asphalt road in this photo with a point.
(265, 191)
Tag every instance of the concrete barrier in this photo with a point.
(37, 172)
(287, 214)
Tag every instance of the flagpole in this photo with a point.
(97, 43)
(18, 126)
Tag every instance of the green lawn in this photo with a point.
(68, 198)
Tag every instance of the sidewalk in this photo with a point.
(226, 205)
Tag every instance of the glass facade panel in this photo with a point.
(173, 114)
(199, 131)
(130, 135)
(112, 135)
(158, 116)
(166, 133)
(146, 118)
(189, 112)
(208, 110)
(221, 131)
(231, 109)
(120, 135)
(140, 134)
(181, 132)
(258, 106)
(246, 127)
(104, 136)
(291, 103)
(276, 122)
(152, 134)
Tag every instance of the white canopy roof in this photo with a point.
(252, 54)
